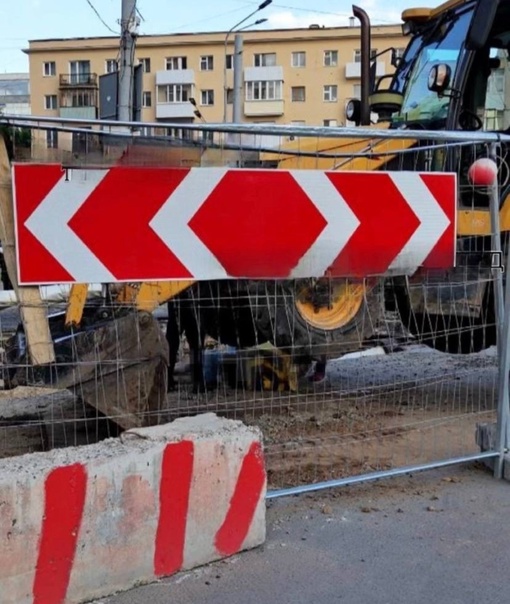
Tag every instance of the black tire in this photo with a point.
(279, 321)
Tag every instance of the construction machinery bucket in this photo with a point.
(116, 361)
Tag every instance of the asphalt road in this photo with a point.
(437, 537)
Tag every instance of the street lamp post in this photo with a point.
(261, 6)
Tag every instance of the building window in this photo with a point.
(207, 63)
(49, 68)
(298, 94)
(357, 54)
(176, 63)
(78, 99)
(330, 93)
(207, 97)
(146, 65)
(230, 96)
(356, 91)
(147, 98)
(264, 91)
(229, 61)
(330, 58)
(110, 65)
(174, 93)
(52, 139)
(298, 59)
(266, 59)
(79, 72)
(208, 136)
(50, 101)
(330, 123)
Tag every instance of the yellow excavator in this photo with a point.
(449, 78)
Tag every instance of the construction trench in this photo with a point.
(376, 411)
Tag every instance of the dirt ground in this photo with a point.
(371, 413)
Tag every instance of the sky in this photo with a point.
(33, 19)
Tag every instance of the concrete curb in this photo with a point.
(83, 523)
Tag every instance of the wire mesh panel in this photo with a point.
(344, 375)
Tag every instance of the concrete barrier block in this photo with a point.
(86, 522)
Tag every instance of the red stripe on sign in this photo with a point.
(176, 476)
(32, 184)
(113, 223)
(387, 222)
(65, 490)
(252, 477)
(258, 223)
(444, 189)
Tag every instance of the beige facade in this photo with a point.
(303, 76)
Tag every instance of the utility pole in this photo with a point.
(128, 33)
(238, 79)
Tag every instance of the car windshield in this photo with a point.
(440, 44)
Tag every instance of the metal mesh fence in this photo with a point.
(344, 376)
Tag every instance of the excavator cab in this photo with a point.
(453, 76)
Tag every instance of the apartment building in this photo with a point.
(15, 93)
(300, 76)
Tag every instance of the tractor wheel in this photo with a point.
(309, 318)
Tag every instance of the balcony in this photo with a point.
(353, 70)
(172, 111)
(175, 76)
(79, 113)
(263, 108)
(78, 80)
(264, 74)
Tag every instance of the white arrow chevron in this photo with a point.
(342, 222)
(49, 224)
(171, 223)
(434, 222)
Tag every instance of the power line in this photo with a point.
(311, 10)
(101, 18)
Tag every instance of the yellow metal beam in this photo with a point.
(76, 303)
(149, 295)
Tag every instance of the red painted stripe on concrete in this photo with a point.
(65, 490)
(176, 475)
(232, 533)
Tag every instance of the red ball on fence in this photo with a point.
(483, 172)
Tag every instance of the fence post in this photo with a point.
(502, 308)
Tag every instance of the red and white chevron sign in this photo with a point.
(137, 224)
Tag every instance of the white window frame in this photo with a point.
(109, 63)
(330, 93)
(145, 62)
(48, 105)
(77, 76)
(260, 59)
(177, 63)
(265, 90)
(177, 91)
(207, 63)
(52, 69)
(295, 100)
(331, 58)
(296, 57)
(51, 139)
(357, 55)
(147, 95)
(207, 95)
